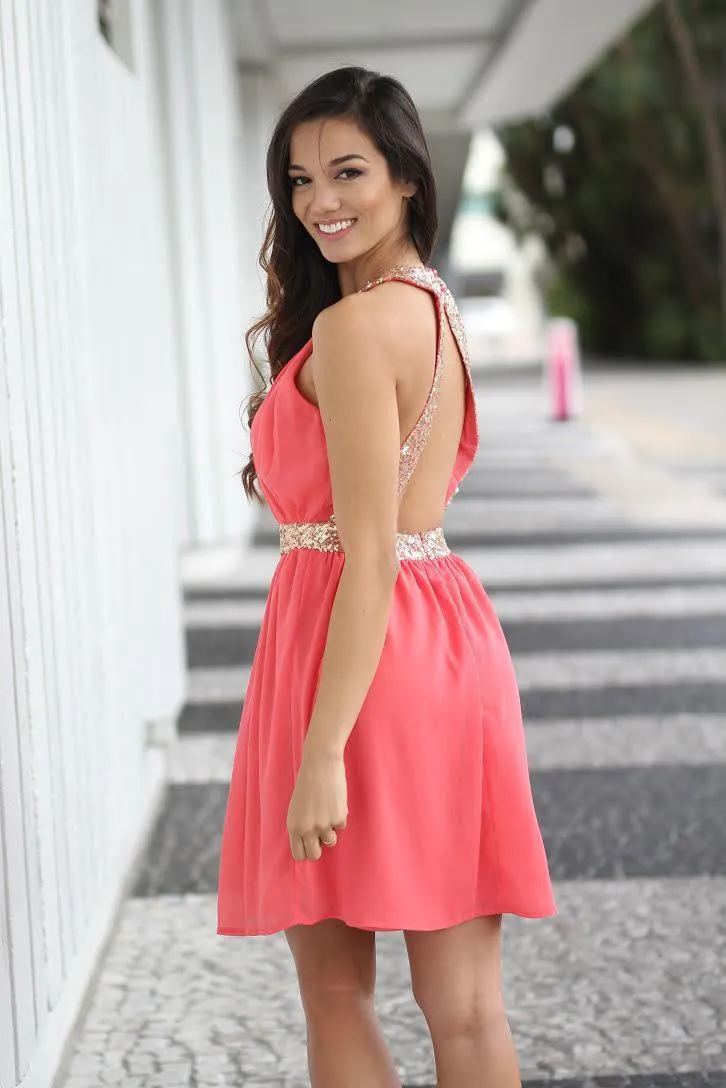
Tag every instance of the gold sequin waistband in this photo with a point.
(322, 536)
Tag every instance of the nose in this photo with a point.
(325, 200)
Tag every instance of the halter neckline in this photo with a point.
(399, 270)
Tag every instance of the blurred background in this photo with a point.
(580, 155)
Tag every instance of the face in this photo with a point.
(342, 191)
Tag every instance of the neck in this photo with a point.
(356, 274)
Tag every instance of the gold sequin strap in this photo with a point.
(457, 327)
(413, 446)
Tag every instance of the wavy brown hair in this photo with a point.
(300, 282)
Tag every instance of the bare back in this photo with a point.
(424, 498)
(409, 319)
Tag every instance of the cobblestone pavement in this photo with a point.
(614, 605)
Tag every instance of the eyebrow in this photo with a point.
(333, 162)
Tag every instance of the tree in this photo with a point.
(626, 180)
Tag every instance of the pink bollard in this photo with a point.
(563, 373)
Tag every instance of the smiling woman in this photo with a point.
(351, 130)
(380, 778)
(335, 200)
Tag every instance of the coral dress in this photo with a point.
(441, 825)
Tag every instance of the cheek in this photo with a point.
(376, 204)
(297, 201)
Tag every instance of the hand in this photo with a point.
(319, 805)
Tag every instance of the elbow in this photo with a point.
(377, 565)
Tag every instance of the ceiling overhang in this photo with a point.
(466, 63)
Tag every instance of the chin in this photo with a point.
(341, 257)
(352, 252)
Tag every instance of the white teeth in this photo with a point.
(333, 228)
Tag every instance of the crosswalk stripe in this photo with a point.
(671, 601)
(542, 671)
(615, 742)
(592, 562)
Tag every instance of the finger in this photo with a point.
(313, 850)
(298, 847)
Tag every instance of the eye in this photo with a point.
(352, 171)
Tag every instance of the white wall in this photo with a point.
(121, 372)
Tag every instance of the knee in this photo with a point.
(329, 991)
(463, 1015)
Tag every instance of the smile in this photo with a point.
(342, 226)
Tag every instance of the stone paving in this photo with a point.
(615, 611)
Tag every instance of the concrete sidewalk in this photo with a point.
(679, 411)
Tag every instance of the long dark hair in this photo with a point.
(300, 282)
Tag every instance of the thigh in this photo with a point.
(333, 960)
(457, 969)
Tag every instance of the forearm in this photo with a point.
(356, 634)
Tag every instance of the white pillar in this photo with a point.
(257, 109)
(205, 208)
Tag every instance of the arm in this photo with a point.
(356, 389)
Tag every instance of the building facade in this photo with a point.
(128, 212)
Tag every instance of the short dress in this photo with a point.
(441, 824)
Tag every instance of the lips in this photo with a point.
(337, 233)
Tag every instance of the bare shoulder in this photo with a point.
(350, 356)
(379, 323)
(355, 385)
(350, 322)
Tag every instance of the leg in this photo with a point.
(336, 970)
(456, 981)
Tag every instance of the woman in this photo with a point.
(380, 778)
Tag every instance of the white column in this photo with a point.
(257, 109)
(196, 388)
(205, 208)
